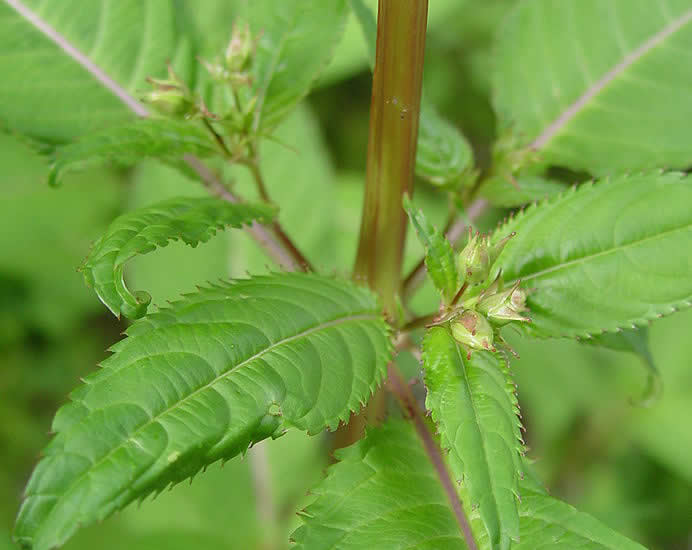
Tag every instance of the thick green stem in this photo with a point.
(394, 110)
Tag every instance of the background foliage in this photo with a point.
(630, 467)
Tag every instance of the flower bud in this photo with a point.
(503, 307)
(169, 102)
(474, 260)
(240, 49)
(473, 330)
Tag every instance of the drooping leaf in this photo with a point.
(198, 382)
(473, 402)
(296, 41)
(164, 139)
(604, 256)
(527, 189)
(71, 67)
(385, 494)
(443, 156)
(601, 86)
(191, 220)
(439, 254)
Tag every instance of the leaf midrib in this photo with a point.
(597, 87)
(307, 332)
(601, 253)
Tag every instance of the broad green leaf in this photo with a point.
(164, 139)
(443, 156)
(296, 41)
(71, 67)
(602, 86)
(503, 193)
(191, 220)
(439, 254)
(385, 494)
(198, 382)
(473, 402)
(604, 256)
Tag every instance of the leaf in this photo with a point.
(439, 254)
(384, 494)
(81, 64)
(604, 256)
(502, 193)
(198, 382)
(191, 220)
(601, 85)
(473, 402)
(160, 138)
(443, 156)
(297, 40)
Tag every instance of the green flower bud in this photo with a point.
(472, 330)
(171, 102)
(474, 260)
(503, 307)
(240, 49)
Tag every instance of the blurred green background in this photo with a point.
(629, 466)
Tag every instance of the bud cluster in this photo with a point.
(476, 323)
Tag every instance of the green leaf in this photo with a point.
(296, 43)
(439, 254)
(443, 156)
(473, 402)
(501, 192)
(164, 139)
(602, 86)
(191, 220)
(81, 63)
(604, 256)
(385, 494)
(198, 382)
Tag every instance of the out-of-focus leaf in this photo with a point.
(199, 382)
(439, 255)
(473, 402)
(141, 231)
(595, 259)
(601, 86)
(503, 193)
(164, 139)
(50, 92)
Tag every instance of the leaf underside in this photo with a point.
(503, 193)
(384, 489)
(191, 220)
(605, 256)
(472, 401)
(601, 86)
(198, 382)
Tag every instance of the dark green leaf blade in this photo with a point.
(297, 40)
(439, 254)
(601, 86)
(160, 138)
(473, 402)
(191, 220)
(198, 382)
(604, 256)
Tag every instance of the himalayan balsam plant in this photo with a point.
(593, 87)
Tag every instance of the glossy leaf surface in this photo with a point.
(604, 256)
(601, 86)
(198, 382)
(473, 403)
(191, 220)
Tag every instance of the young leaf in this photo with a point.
(297, 40)
(604, 256)
(443, 155)
(440, 258)
(164, 139)
(82, 63)
(601, 86)
(502, 193)
(198, 382)
(191, 220)
(473, 402)
(384, 494)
